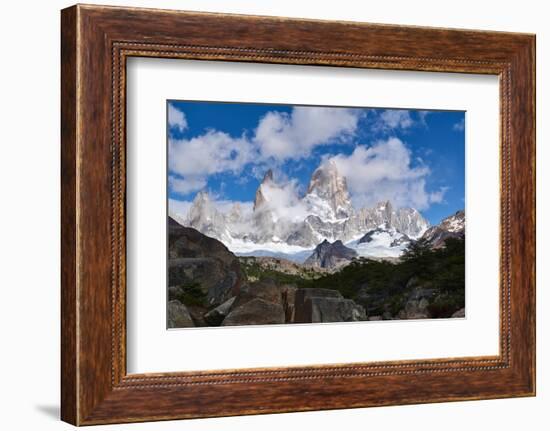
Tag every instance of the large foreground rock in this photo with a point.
(255, 312)
(267, 290)
(417, 305)
(195, 258)
(324, 305)
(459, 313)
(178, 315)
(215, 317)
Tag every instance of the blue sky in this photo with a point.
(413, 158)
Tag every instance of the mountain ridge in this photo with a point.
(324, 212)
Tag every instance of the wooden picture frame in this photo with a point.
(95, 43)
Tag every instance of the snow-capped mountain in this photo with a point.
(327, 195)
(330, 255)
(382, 242)
(451, 227)
(204, 216)
(285, 223)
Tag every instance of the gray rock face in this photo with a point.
(194, 258)
(204, 217)
(327, 255)
(265, 289)
(406, 221)
(288, 299)
(260, 198)
(215, 317)
(417, 304)
(459, 313)
(327, 186)
(178, 315)
(325, 305)
(450, 227)
(257, 312)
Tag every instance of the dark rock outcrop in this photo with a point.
(459, 313)
(178, 315)
(215, 316)
(324, 305)
(194, 258)
(267, 290)
(330, 255)
(368, 237)
(255, 312)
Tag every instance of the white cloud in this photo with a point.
(438, 196)
(384, 171)
(278, 137)
(187, 185)
(226, 206)
(283, 136)
(283, 199)
(392, 119)
(422, 117)
(459, 126)
(178, 209)
(208, 154)
(176, 118)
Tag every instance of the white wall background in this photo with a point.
(29, 215)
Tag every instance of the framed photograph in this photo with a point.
(280, 207)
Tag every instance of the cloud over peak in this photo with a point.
(279, 136)
(291, 136)
(384, 172)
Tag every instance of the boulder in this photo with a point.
(417, 304)
(459, 313)
(215, 317)
(386, 315)
(194, 258)
(264, 289)
(324, 305)
(288, 294)
(178, 315)
(255, 312)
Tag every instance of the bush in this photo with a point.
(190, 294)
(387, 284)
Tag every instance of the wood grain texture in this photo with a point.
(96, 41)
(69, 397)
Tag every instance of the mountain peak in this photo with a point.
(268, 176)
(330, 255)
(328, 187)
(450, 227)
(384, 206)
(202, 196)
(260, 198)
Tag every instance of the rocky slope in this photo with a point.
(451, 227)
(196, 259)
(330, 255)
(209, 287)
(257, 266)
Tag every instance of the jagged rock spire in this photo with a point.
(260, 199)
(329, 186)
